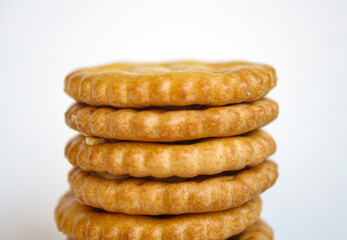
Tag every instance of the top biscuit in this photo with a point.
(135, 85)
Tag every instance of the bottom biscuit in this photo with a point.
(81, 222)
(258, 231)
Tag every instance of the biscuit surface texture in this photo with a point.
(81, 222)
(159, 125)
(258, 231)
(143, 159)
(152, 197)
(131, 85)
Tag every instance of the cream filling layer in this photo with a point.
(126, 176)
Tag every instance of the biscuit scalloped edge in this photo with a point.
(258, 231)
(148, 197)
(167, 126)
(143, 159)
(81, 222)
(112, 86)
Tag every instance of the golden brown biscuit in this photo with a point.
(170, 125)
(143, 159)
(81, 222)
(153, 197)
(131, 85)
(258, 231)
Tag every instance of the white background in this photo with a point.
(42, 41)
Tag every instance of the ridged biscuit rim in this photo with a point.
(158, 125)
(258, 231)
(143, 159)
(81, 222)
(185, 83)
(149, 197)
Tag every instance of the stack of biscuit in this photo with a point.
(169, 151)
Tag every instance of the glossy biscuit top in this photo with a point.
(135, 85)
